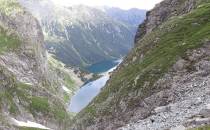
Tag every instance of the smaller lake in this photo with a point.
(102, 66)
(87, 92)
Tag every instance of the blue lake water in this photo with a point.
(102, 66)
(87, 92)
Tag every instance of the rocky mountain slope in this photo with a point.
(34, 87)
(132, 16)
(82, 35)
(164, 82)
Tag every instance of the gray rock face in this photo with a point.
(162, 109)
(30, 87)
(162, 12)
(178, 128)
(205, 112)
(30, 59)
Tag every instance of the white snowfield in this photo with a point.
(28, 124)
(66, 89)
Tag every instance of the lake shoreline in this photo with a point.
(91, 89)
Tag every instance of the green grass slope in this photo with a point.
(161, 49)
(207, 127)
(8, 42)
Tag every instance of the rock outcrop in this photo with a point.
(31, 84)
(164, 82)
(27, 29)
(162, 12)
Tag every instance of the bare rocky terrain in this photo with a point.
(186, 95)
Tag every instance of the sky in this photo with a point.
(124, 4)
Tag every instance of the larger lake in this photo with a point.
(87, 92)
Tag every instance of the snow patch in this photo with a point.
(66, 89)
(66, 33)
(30, 84)
(28, 124)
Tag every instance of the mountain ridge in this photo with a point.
(71, 29)
(132, 16)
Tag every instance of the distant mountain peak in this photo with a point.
(131, 16)
(83, 35)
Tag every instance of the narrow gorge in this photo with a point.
(77, 67)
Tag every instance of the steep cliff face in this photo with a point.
(162, 12)
(31, 88)
(164, 82)
(21, 24)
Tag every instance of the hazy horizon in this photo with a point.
(140, 4)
